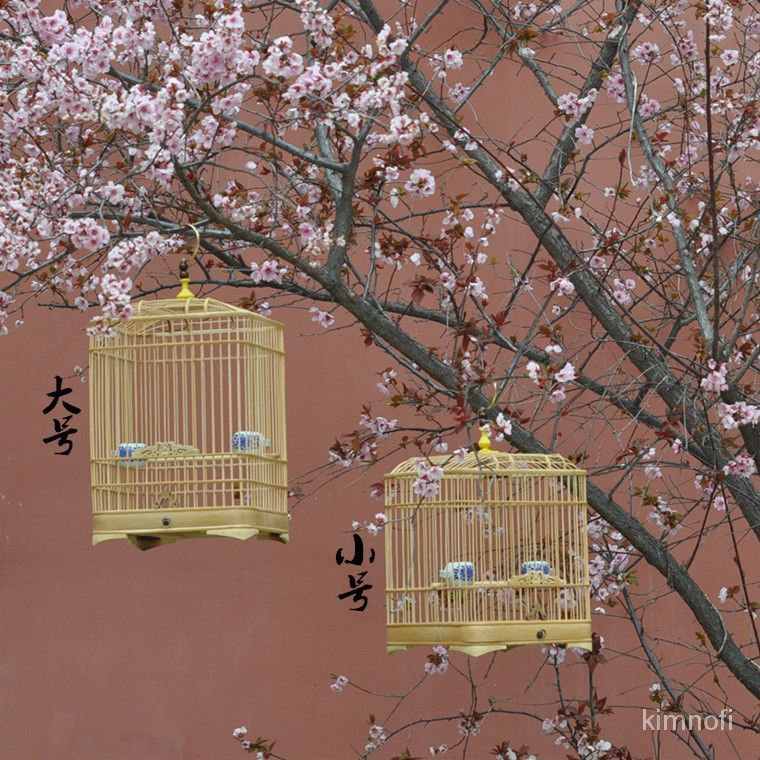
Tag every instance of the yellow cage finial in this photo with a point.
(484, 444)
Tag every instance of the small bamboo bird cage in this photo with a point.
(498, 558)
(187, 424)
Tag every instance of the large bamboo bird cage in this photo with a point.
(187, 424)
(497, 559)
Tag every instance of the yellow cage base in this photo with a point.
(480, 638)
(148, 529)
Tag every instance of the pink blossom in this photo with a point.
(649, 108)
(340, 684)
(421, 183)
(740, 413)
(743, 466)
(729, 57)
(558, 394)
(452, 59)
(566, 374)
(322, 318)
(457, 92)
(271, 271)
(380, 426)
(438, 662)
(469, 725)
(615, 87)
(563, 286)
(426, 485)
(719, 504)
(646, 53)
(504, 427)
(715, 381)
(555, 655)
(477, 289)
(584, 134)
(534, 370)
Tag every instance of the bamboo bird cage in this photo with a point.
(497, 559)
(187, 424)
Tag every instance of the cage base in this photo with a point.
(148, 529)
(480, 638)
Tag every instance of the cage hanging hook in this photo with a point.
(494, 397)
(197, 240)
(184, 277)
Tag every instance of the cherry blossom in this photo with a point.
(742, 465)
(566, 374)
(438, 661)
(426, 485)
(420, 184)
(322, 318)
(715, 381)
(584, 134)
(740, 413)
(562, 286)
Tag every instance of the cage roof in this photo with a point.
(147, 311)
(490, 463)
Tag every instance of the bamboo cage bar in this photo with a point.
(497, 559)
(187, 431)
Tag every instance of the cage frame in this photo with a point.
(476, 637)
(167, 520)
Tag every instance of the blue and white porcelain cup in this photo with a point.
(126, 450)
(535, 566)
(249, 440)
(125, 453)
(458, 573)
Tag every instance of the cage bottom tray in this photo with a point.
(481, 638)
(149, 528)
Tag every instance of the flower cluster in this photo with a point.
(733, 415)
(715, 381)
(381, 427)
(470, 725)
(610, 558)
(562, 286)
(373, 528)
(574, 107)
(742, 465)
(421, 183)
(438, 661)
(339, 684)
(261, 747)
(622, 291)
(322, 318)
(427, 483)
(376, 738)
(555, 655)
(665, 518)
(503, 427)
(269, 271)
(554, 383)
